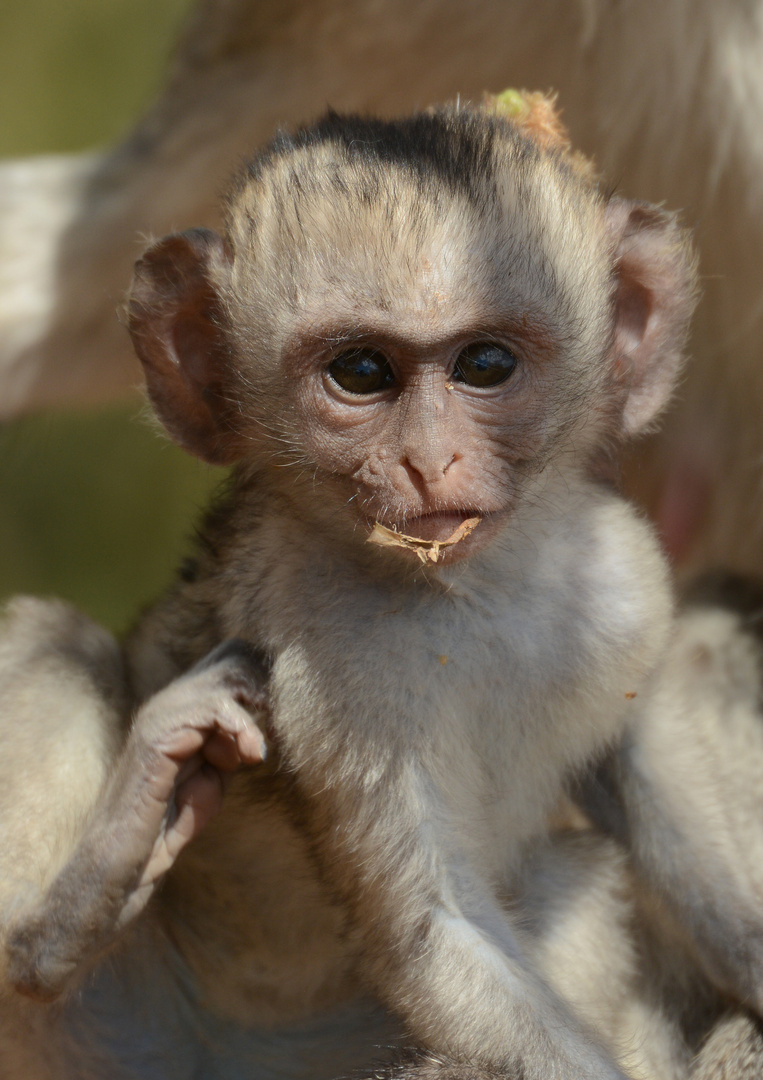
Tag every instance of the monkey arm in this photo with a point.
(689, 859)
(442, 953)
(472, 997)
(682, 793)
(168, 781)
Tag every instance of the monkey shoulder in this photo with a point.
(621, 610)
(623, 576)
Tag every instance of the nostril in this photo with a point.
(415, 476)
(425, 473)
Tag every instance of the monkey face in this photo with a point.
(419, 431)
(416, 437)
(422, 316)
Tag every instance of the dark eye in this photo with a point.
(484, 364)
(361, 371)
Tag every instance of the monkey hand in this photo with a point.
(184, 744)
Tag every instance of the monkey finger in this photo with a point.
(197, 799)
(252, 747)
(180, 744)
(245, 736)
(222, 715)
(186, 770)
(231, 741)
(222, 752)
(142, 794)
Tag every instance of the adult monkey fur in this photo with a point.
(668, 97)
(440, 319)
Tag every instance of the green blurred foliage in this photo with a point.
(75, 73)
(94, 507)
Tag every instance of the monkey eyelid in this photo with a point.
(343, 396)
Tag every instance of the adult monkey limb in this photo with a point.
(667, 98)
(429, 321)
(683, 789)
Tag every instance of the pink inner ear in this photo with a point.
(176, 330)
(634, 307)
(195, 339)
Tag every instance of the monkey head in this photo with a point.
(419, 316)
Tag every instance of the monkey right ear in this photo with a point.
(176, 320)
(655, 293)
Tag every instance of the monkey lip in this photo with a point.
(437, 526)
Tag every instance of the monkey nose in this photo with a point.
(424, 472)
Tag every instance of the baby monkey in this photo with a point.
(431, 334)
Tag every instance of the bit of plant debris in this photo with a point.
(537, 116)
(427, 550)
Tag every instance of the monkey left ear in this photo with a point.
(176, 321)
(655, 292)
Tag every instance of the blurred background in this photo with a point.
(94, 507)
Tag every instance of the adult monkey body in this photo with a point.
(414, 324)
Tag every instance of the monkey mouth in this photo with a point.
(440, 526)
(427, 549)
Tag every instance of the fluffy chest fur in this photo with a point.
(486, 685)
